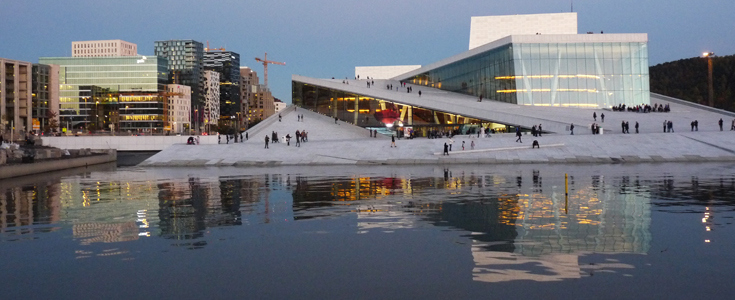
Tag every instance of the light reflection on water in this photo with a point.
(517, 223)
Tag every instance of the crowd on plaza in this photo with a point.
(642, 108)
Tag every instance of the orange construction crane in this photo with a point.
(265, 66)
(207, 49)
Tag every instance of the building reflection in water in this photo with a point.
(519, 225)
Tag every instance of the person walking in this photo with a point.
(602, 117)
(472, 145)
(393, 141)
(219, 139)
(462, 145)
(571, 128)
(419, 93)
(636, 127)
(288, 140)
(267, 140)
(594, 116)
(539, 130)
(451, 141)
(335, 120)
(665, 126)
(720, 122)
(279, 117)
(518, 134)
(246, 136)
(446, 149)
(623, 126)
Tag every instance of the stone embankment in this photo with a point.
(29, 161)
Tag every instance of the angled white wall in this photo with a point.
(383, 72)
(484, 30)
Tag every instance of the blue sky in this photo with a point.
(328, 38)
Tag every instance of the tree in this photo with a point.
(53, 123)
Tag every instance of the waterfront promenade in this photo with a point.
(345, 144)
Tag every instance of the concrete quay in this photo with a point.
(345, 144)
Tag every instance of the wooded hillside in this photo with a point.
(687, 79)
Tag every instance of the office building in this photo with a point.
(227, 64)
(117, 93)
(185, 64)
(45, 97)
(248, 90)
(263, 106)
(210, 109)
(179, 108)
(103, 48)
(15, 96)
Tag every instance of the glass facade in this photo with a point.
(227, 64)
(185, 63)
(112, 93)
(586, 75)
(369, 112)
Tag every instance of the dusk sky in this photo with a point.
(328, 38)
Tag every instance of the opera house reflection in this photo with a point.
(517, 225)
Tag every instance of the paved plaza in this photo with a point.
(345, 144)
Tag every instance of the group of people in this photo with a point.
(233, 136)
(668, 126)
(646, 108)
(373, 133)
(625, 127)
(536, 131)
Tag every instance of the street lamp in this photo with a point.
(710, 84)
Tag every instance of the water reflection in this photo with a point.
(517, 225)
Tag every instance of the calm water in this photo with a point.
(465, 232)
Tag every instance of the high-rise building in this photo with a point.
(227, 64)
(118, 93)
(210, 110)
(15, 95)
(45, 96)
(264, 106)
(248, 90)
(103, 48)
(179, 107)
(185, 63)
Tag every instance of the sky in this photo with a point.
(328, 38)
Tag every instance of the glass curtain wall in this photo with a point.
(112, 93)
(588, 75)
(480, 75)
(370, 112)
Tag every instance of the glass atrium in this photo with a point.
(585, 75)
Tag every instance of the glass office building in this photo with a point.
(227, 64)
(586, 71)
(185, 64)
(112, 93)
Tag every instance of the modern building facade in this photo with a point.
(263, 107)
(486, 29)
(248, 90)
(112, 93)
(15, 96)
(551, 67)
(45, 97)
(227, 64)
(210, 110)
(103, 48)
(185, 64)
(179, 107)
(580, 70)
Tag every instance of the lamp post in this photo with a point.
(710, 83)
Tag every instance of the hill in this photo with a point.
(687, 79)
